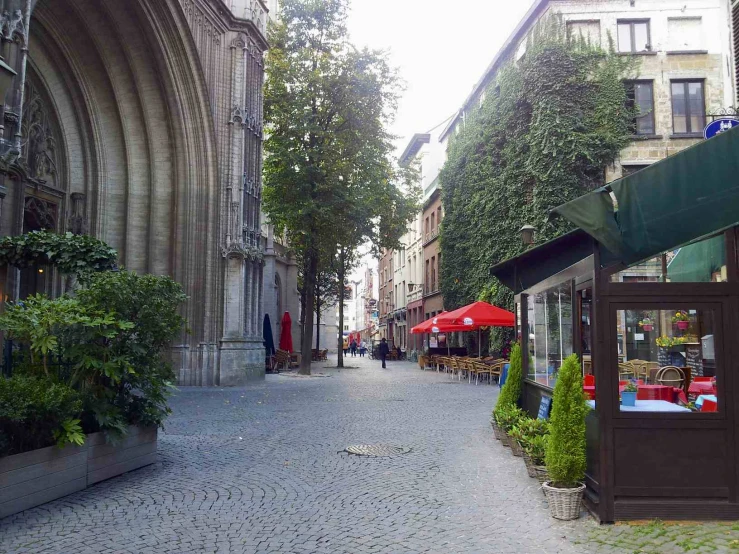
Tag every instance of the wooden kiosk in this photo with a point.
(646, 290)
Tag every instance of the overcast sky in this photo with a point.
(441, 48)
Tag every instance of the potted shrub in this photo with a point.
(681, 320)
(507, 418)
(628, 396)
(514, 437)
(536, 450)
(531, 429)
(509, 394)
(565, 455)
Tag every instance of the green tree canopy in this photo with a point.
(329, 179)
(546, 131)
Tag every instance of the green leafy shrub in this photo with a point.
(565, 457)
(529, 428)
(37, 412)
(152, 303)
(109, 343)
(536, 449)
(72, 254)
(511, 391)
(508, 417)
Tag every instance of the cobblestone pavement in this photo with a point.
(260, 469)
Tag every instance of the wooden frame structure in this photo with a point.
(642, 464)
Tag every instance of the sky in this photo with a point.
(441, 47)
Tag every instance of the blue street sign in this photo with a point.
(719, 126)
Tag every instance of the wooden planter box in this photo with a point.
(34, 478)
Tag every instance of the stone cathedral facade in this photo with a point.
(140, 122)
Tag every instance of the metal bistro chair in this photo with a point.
(641, 370)
(671, 376)
(625, 371)
(481, 370)
(652, 370)
(471, 369)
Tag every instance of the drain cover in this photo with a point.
(376, 450)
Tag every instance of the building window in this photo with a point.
(427, 275)
(688, 107)
(427, 226)
(631, 169)
(438, 216)
(633, 36)
(684, 34)
(589, 31)
(640, 96)
(433, 274)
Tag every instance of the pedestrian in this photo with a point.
(353, 347)
(384, 351)
(362, 348)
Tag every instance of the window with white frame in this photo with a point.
(684, 34)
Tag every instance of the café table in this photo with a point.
(702, 387)
(649, 406)
(702, 397)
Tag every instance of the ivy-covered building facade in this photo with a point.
(140, 123)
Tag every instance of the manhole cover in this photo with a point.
(376, 450)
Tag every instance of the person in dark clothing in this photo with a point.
(384, 351)
(353, 348)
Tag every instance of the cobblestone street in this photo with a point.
(259, 469)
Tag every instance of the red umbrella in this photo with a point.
(478, 314)
(286, 333)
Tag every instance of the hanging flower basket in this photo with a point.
(683, 325)
(564, 503)
(648, 327)
(516, 449)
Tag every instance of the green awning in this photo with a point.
(697, 262)
(692, 194)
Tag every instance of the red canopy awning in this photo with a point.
(434, 325)
(476, 315)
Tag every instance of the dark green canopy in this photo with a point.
(693, 194)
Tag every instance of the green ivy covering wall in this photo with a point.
(544, 135)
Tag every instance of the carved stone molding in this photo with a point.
(239, 250)
(39, 153)
(238, 115)
(77, 223)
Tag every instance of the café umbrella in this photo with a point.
(286, 333)
(433, 325)
(476, 316)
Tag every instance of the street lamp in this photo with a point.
(527, 235)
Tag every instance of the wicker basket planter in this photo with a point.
(529, 465)
(564, 503)
(516, 449)
(498, 432)
(541, 474)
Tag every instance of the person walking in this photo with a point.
(362, 348)
(353, 348)
(384, 351)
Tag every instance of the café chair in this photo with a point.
(671, 376)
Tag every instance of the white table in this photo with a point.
(649, 406)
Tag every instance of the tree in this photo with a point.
(543, 136)
(329, 181)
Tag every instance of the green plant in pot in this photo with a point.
(628, 395)
(507, 418)
(565, 453)
(509, 394)
(535, 450)
(515, 435)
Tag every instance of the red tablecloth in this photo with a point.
(702, 387)
(647, 392)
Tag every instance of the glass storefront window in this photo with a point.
(669, 357)
(700, 262)
(549, 333)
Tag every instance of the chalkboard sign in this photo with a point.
(544, 407)
(693, 360)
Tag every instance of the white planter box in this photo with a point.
(34, 478)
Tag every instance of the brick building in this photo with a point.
(140, 122)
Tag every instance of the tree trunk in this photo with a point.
(309, 282)
(340, 283)
(318, 320)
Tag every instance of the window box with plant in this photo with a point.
(88, 387)
(646, 324)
